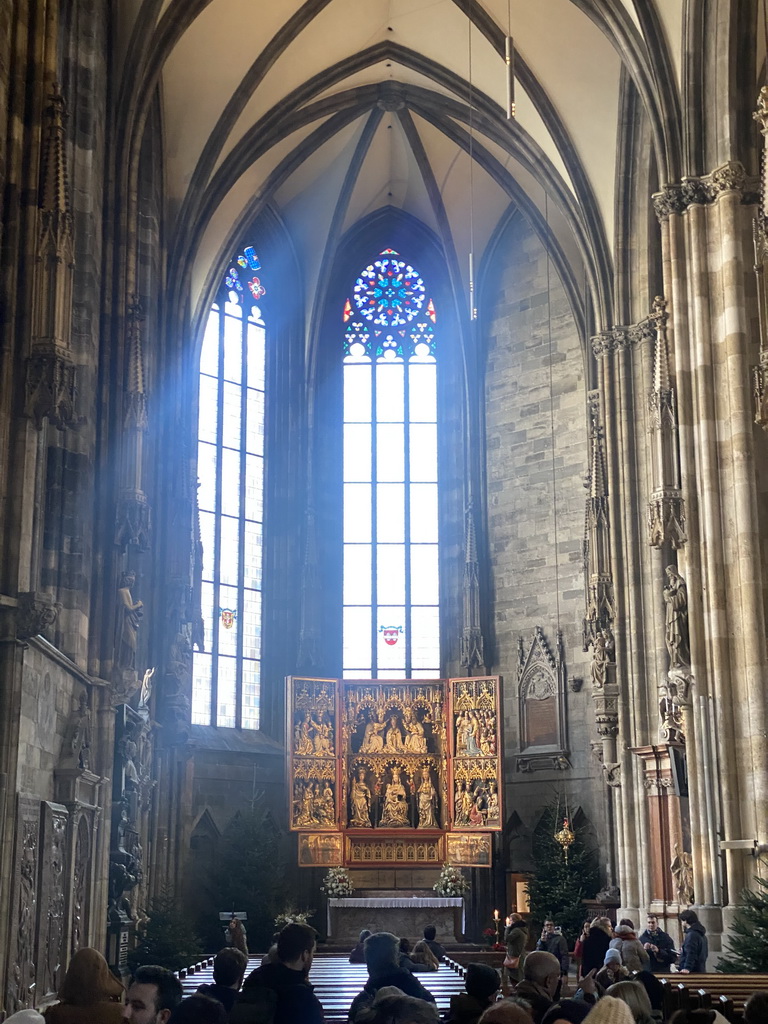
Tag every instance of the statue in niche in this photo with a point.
(682, 871)
(394, 736)
(324, 803)
(415, 740)
(79, 741)
(676, 628)
(602, 654)
(468, 735)
(303, 735)
(427, 803)
(360, 798)
(146, 688)
(395, 811)
(492, 810)
(373, 741)
(130, 613)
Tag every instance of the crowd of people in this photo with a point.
(615, 982)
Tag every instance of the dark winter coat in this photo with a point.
(396, 976)
(695, 950)
(275, 994)
(465, 1009)
(556, 945)
(667, 954)
(593, 950)
(222, 993)
(515, 939)
(537, 996)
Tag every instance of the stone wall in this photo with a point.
(536, 459)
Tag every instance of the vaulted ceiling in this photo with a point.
(328, 110)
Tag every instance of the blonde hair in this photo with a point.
(422, 954)
(636, 998)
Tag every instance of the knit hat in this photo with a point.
(611, 1011)
(26, 1017)
(612, 956)
(481, 981)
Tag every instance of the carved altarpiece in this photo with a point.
(666, 786)
(391, 766)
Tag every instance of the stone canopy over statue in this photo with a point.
(381, 757)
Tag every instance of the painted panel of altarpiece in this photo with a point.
(475, 745)
(312, 742)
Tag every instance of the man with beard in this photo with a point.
(280, 992)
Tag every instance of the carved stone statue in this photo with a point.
(146, 688)
(78, 748)
(676, 629)
(373, 741)
(682, 871)
(129, 613)
(427, 803)
(360, 799)
(395, 812)
(394, 736)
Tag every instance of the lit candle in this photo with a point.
(495, 915)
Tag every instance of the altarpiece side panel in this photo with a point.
(312, 743)
(475, 746)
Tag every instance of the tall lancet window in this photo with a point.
(390, 580)
(230, 457)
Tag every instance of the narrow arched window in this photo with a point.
(230, 457)
(390, 579)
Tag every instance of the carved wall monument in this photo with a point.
(541, 680)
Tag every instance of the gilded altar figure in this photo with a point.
(322, 742)
(326, 809)
(492, 811)
(373, 741)
(303, 736)
(394, 736)
(395, 812)
(459, 815)
(427, 803)
(305, 813)
(415, 740)
(360, 799)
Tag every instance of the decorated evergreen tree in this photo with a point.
(169, 939)
(559, 885)
(748, 944)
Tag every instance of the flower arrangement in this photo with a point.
(290, 916)
(451, 882)
(337, 883)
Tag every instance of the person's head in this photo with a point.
(422, 954)
(515, 918)
(636, 998)
(652, 923)
(482, 982)
(505, 1012)
(430, 932)
(382, 952)
(25, 1017)
(612, 960)
(405, 945)
(604, 923)
(391, 1006)
(199, 1010)
(543, 969)
(89, 980)
(364, 934)
(756, 1008)
(567, 1011)
(688, 917)
(549, 925)
(627, 923)
(229, 967)
(296, 946)
(611, 1011)
(692, 1017)
(154, 993)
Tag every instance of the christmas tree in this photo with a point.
(748, 944)
(560, 884)
(169, 939)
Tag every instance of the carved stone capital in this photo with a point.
(666, 519)
(691, 191)
(612, 773)
(35, 614)
(51, 388)
(668, 201)
(603, 343)
(606, 712)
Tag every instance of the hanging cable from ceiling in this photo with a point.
(472, 307)
(509, 60)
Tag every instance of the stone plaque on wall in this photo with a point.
(541, 702)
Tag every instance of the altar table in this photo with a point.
(405, 916)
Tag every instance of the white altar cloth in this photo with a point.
(405, 902)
